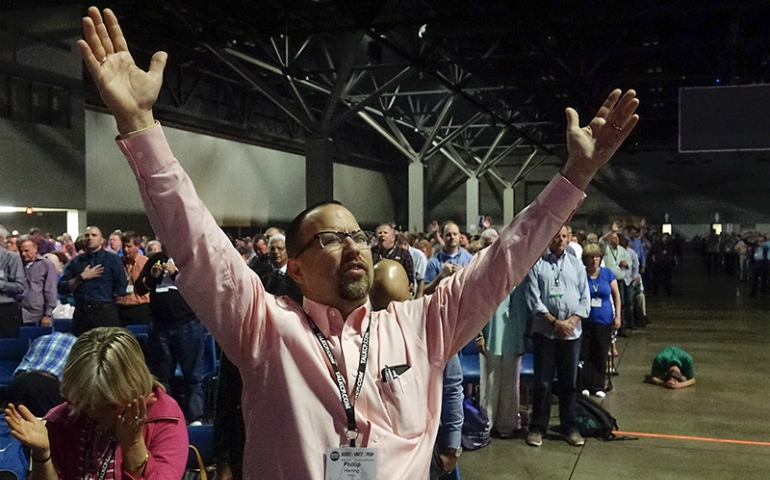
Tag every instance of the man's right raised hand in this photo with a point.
(127, 90)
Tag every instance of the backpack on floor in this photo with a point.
(12, 458)
(593, 420)
(476, 426)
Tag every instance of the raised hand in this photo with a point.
(127, 90)
(28, 429)
(129, 425)
(592, 146)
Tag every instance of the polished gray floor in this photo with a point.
(727, 333)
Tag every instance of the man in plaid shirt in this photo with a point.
(35, 383)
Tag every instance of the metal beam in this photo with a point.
(263, 87)
(454, 134)
(484, 169)
(452, 154)
(488, 155)
(343, 72)
(524, 166)
(434, 131)
(379, 129)
(401, 76)
(531, 169)
(401, 138)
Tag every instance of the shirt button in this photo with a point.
(140, 155)
(375, 438)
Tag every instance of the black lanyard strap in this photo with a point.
(350, 410)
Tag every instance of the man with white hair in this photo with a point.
(488, 236)
(11, 286)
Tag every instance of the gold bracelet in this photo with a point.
(141, 131)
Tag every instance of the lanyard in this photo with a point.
(594, 285)
(561, 267)
(106, 464)
(614, 255)
(91, 455)
(350, 410)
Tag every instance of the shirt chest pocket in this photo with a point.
(405, 400)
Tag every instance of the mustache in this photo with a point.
(353, 264)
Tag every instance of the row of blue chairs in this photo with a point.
(12, 350)
(469, 359)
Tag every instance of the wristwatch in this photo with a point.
(455, 452)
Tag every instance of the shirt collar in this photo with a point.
(551, 257)
(329, 319)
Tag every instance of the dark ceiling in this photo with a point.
(481, 83)
(520, 63)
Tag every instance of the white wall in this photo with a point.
(241, 184)
(365, 193)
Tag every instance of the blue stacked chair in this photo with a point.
(202, 438)
(63, 325)
(137, 329)
(469, 359)
(12, 351)
(32, 332)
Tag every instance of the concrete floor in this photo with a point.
(727, 333)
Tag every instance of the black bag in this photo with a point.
(476, 426)
(593, 420)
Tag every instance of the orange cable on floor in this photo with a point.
(685, 437)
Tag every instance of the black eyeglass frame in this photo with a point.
(317, 237)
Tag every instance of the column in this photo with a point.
(416, 197)
(319, 169)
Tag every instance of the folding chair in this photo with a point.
(32, 332)
(12, 351)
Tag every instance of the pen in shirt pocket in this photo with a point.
(390, 374)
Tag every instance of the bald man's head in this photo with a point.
(391, 284)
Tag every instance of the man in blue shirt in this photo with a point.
(95, 278)
(446, 262)
(633, 238)
(559, 298)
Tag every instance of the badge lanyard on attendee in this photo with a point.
(350, 410)
(560, 263)
(105, 464)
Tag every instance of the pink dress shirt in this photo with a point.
(291, 405)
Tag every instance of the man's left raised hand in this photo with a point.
(592, 146)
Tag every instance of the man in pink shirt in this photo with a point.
(330, 373)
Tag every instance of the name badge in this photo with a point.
(2, 274)
(129, 289)
(556, 291)
(596, 303)
(346, 463)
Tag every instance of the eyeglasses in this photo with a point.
(333, 240)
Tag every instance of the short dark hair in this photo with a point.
(293, 232)
(80, 243)
(131, 235)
